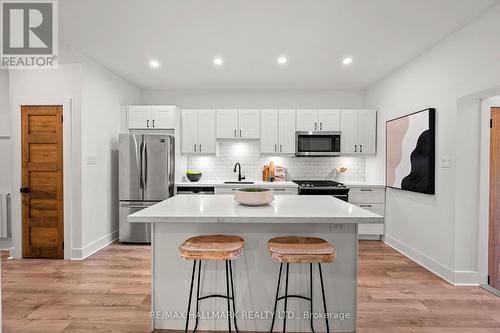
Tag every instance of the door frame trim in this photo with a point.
(16, 154)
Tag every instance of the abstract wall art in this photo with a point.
(410, 152)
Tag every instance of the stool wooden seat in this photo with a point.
(296, 250)
(212, 247)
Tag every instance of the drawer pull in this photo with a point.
(366, 190)
(279, 189)
(365, 205)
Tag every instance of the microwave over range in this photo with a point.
(317, 143)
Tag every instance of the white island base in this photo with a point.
(255, 274)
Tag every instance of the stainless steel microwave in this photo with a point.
(317, 143)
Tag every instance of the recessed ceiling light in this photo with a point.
(347, 61)
(218, 61)
(154, 63)
(282, 60)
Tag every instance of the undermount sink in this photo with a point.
(238, 182)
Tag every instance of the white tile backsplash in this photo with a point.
(220, 167)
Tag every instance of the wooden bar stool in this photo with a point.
(300, 250)
(212, 247)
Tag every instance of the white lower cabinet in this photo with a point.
(372, 199)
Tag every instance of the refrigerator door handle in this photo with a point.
(139, 162)
(171, 166)
(145, 164)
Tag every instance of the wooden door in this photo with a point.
(494, 229)
(269, 131)
(42, 181)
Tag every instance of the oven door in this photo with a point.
(317, 143)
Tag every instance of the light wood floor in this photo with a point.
(109, 292)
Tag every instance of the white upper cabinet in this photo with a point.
(163, 117)
(286, 131)
(249, 124)
(318, 120)
(367, 131)
(277, 131)
(307, 120)
(359, 128)
(138, 116)
(232, 123)
(269, 131)
(198, 131)
(206, 131)
(227, 124)
(329, 120)
(151, 117)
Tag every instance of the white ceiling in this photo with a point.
(315, 35)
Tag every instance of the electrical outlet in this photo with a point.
(338, 228)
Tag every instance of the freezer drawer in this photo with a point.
(134, 232)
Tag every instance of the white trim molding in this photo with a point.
(17, 172)
(457, 278)
(88, 250)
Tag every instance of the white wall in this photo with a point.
(103, 94)
(255, 99)
(452, 77)
(5, 164)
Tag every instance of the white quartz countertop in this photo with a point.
(220, 183)
(284, 209)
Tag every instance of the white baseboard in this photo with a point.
(88, 250)
(6, 243)
(457, 278)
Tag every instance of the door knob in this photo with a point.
(25, 190)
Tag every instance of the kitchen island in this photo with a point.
(184, 216)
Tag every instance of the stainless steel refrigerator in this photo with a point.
(146, 178)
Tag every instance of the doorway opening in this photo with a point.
(42, 181)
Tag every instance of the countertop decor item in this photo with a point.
(254, 196)
(193, 176)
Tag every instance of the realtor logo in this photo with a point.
(29, 36)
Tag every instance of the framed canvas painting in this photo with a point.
(410, 152)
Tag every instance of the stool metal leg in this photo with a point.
(324, 300)
(276, 299)
(197, 298)
(232, 295)
(286, 296)
(311, 296)
(228, 300)
(190, 295)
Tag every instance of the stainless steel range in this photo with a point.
(323, 187)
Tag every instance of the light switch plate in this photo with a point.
(446, 162)
(91, 159)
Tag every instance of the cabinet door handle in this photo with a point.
(147, 123)
(153, 123)
(320, 125)
(315, 126)
(234, 133)
(240, 133)
(275, 148)
(360, 148)
(281, 148)
(194, 147)
(200, 147)
(355, 148)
